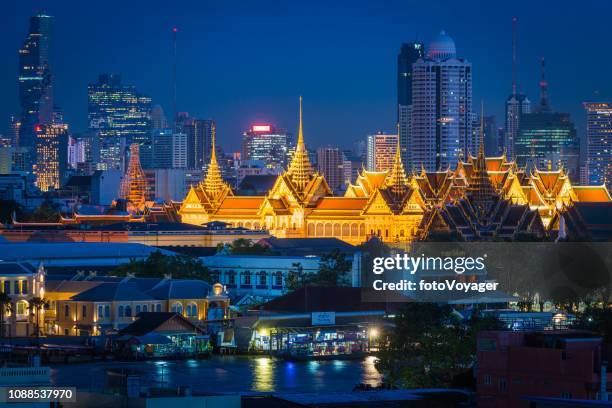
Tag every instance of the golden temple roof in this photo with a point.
(300, 170)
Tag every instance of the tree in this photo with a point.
(36, 305)
(5, 306)
(295, 277)
(243, 246)
(333, 269)
(158, 265)
(46, 212)
(430, 346)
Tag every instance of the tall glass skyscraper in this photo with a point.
(121, 116)
(51, 155)
(441, 124)
(409, 54)
(268, 144)
(35, 81)
(199, 141)
(599, 142)
(546, 139)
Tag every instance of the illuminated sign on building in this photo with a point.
(261, 128)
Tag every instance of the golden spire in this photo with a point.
(300, 170)
(134, 185)
(213, 184)
(396, 181)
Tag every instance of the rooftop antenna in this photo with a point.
(514, 21)
(544, 105)
(174, 112)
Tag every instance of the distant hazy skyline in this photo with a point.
(246, 62)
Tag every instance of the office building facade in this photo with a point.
(266, 143)
(51, 155)
(381, 148)
(330, 163)
(599, 142)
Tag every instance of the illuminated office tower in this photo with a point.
(330, 163)
(199, 141)
(381, 149)
(35, 82)
(268, 144)
(441, 124)
(547, 139)
(599, 143)
(51, 155)
(120, 115)
(409, 54)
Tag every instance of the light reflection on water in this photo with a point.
(231, 374)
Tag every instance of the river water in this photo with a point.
(230, 374)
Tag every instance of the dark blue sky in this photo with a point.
(246, 61)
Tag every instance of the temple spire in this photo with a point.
(480, 187)
(300, 170)
(396, 181)
(133, 187)
(213, 184)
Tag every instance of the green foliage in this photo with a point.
(430, 346)
(46, 212)
(333, 271)
(243, 246)
(157, 265)
(597, 320)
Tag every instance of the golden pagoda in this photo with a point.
(133, 187)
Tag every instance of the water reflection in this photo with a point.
(369, 373)
(232, 374)
(263, 375)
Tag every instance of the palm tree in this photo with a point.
(36, 305)
(5, 306)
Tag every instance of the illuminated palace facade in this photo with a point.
(482, 197)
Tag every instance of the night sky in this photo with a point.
(245, 61)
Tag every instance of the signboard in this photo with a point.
(323, 318)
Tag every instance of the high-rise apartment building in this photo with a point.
(35, 82)
(599, 142)
(266, 143)
(179, 151)
(51, 155)
(441, 117)
(409, 54)
(381, 151)
(121, 116)
(330, 163)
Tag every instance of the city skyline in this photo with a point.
(331, 102)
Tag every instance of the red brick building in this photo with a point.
(560, 364)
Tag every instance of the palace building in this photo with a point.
(482, 198)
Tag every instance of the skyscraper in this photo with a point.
(409, 54)
(35, 81)
(121, 116)
(381, 151)
(330, 163)
(599, 142)
(266, 143)
(547, 139)
(441, 124)
(51, 155)
(517, 103)
(161, 140)
(199, 141)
